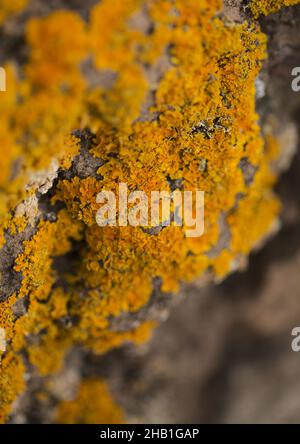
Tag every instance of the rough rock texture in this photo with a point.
(140, 102)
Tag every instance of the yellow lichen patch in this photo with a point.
(50, 98)
(80, 195)
(11, 382)
(47, 352)
(266, 7)
(58, 44)
(206, 109)
(9, 144)
(7, 318)
(117, 47)
(39, 112)
(48, 356)
(115, 38)
(181, 109)
(109, 339)
(92, 405)
(36, 260)
(9, 8)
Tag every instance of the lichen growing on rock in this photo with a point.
(9, 8)
(93, 405)
(265, 7)
(108, 101)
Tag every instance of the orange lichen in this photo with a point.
(266, 7)
(181, 108)
(36, 260)
(101, 342)
(11, 382)
(9, 8)
(92, 405)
